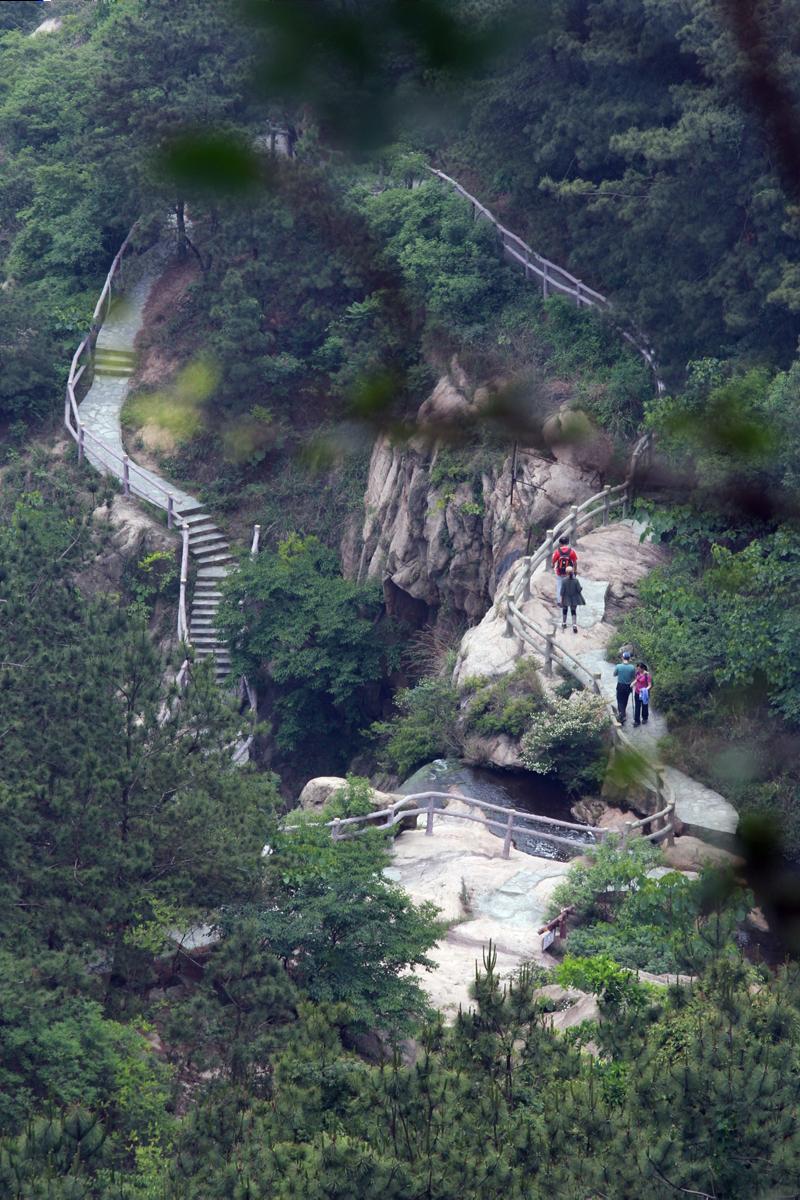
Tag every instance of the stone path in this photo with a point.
(100, 415)
(703, 812)
(486, 651)
(507, 900)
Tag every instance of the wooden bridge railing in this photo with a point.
(510, 822)
(552, 276)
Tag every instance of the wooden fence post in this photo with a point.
(81, 436)
(429, 820)
(626, 833)
(526, 591)
(170, 510)
(507, 838)
(545, 282)
(335, 835)
(548, 652)
(527, 265)
(606, 502)
(126, 475)
(670, 838)
(573, 523)
(256, 540)
(578, 294)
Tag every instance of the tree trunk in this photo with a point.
(180, 225)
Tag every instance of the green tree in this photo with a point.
(344, 933)
(312, 638)
(106, 804)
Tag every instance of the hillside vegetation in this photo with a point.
(199, 1003)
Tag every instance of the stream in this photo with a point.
(509, 789)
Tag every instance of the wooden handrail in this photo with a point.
(514, 821)
(553, 275)
(183, 624)
(124, 469)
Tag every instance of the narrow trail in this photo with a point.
(100, 414)
(701, 810)
(99, 434)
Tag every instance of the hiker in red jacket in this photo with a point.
(563, 557)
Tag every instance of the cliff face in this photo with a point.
(435, 542)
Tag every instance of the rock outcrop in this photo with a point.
(434, 537)
(317, 792)
(131, 534)
(486, 897)
(612, 561)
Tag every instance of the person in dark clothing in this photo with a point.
(563, 557)
(641, 694)
(625, 673)
(571, 596)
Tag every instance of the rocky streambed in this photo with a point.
(519, 790)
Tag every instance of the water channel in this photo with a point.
(509, 789)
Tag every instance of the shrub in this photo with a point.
(424, 728)
(660, 925)
(506, 705)
(566, 740)
(613, 869)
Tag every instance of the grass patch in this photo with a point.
(177, 410)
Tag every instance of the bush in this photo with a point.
(566, 740)
(613, 869)
(662, 925)
(505, 705)
(424, 728)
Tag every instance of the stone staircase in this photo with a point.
(116, 364)
(211, 551)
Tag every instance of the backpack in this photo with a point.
(564, 560)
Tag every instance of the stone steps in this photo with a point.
(119, 364)
(115, 361)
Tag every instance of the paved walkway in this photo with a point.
(100, 415)
(101, 409)
(704, 813)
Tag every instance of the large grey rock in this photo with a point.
(318, 791)
(451, 542)
(507, 900)
(498, 751)
(132, 535)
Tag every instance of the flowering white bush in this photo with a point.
(566, 737)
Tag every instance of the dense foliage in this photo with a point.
(183, 974)
(623, 138)
(126, 825)
(312, 637)
(631, 910)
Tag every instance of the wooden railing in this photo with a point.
(134, 481)
(509, 822)
(129, 473)
(553, 278)
(597, 508)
